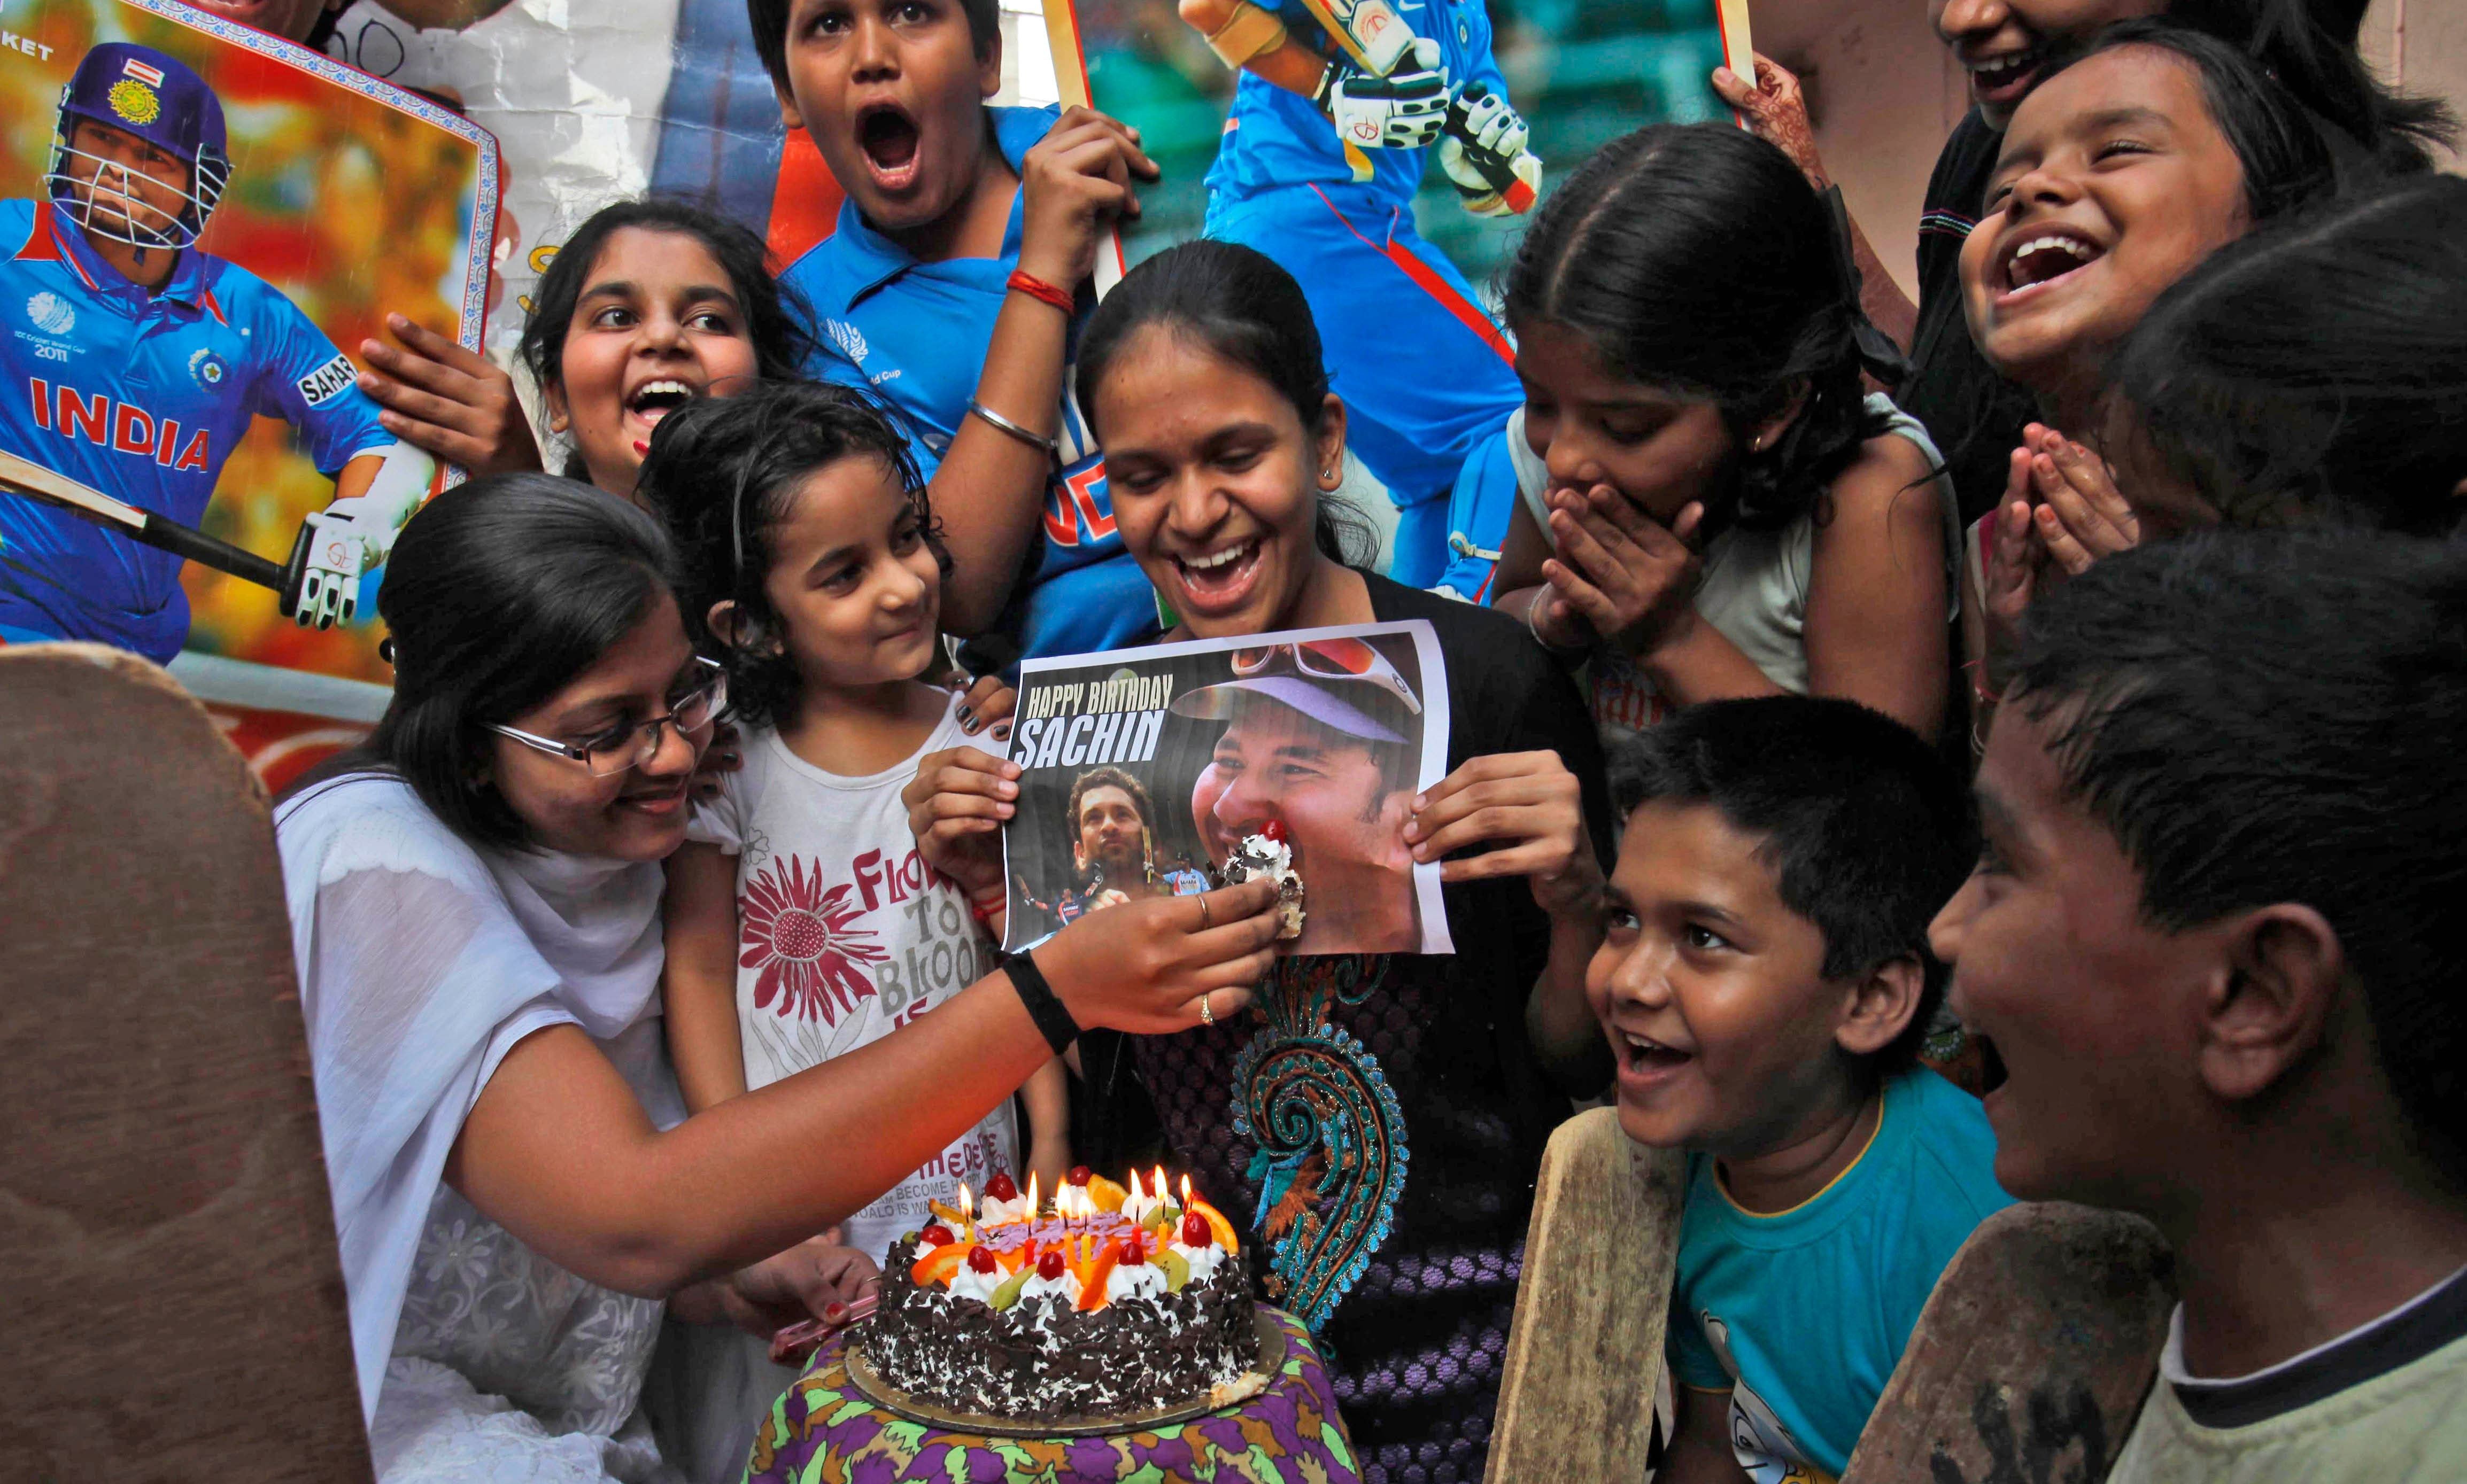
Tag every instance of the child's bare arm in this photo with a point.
(1700, 1446)
(1046, 1092)
(1877, 596)
(989, 490)
(700, 983)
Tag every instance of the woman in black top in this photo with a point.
(1379, 1119)
(2004, 47)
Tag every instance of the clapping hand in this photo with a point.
(2080, 515)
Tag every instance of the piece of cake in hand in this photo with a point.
(1113, 1301)
(1266, 854)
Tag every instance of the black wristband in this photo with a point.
(1044, 1006)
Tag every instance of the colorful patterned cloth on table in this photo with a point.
(825, 1431)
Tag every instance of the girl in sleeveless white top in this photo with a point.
(474, 905)
(1714, 509)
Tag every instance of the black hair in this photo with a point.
(1867, 829)
(2278, 145)
(2309, 47)
(1695, 257)
(2316, 371)
(2266, 716)
(723, 473)
(497, 595)
(777, 320)
(770, 22)
(1237, 302)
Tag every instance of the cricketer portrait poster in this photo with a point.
(1163, 771)
(201, 223)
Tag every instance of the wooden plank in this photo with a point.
(1584, 1353)
(168, 1266)
(2033, 1355)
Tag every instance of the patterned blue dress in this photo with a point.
(1376, 1123)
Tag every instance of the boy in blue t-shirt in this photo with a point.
(950, 290)
(1764, 981)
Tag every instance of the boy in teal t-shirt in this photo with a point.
(1763, 980)
(1801, 1314)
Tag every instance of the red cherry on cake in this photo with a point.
(1128, 1252)
(1195, 1231)
(980, 1259)
(1273, 829)
(937, 1235)
(1048, 1265)
(1079, 1174)
(1001, 1188)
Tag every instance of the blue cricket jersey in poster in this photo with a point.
(1275, 137)
(915, 334)
(142, 396)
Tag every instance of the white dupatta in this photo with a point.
(422, 961)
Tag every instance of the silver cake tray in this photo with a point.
(870, 1386)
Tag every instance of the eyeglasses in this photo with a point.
(637, 743)
(1329, 659)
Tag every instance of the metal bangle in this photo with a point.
(1028, 436)
(1548, 647)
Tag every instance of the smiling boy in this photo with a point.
(1764, 979)
(2215, 937)
(948, 290)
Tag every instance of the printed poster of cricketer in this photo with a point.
(1156, 771)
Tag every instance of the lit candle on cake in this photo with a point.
(967, 1213)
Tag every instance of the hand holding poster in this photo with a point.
(1150, 772)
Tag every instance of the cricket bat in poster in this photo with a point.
(29, 479)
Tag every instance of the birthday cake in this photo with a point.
(1266, 854)
(1109, 1301)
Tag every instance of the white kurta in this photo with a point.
(422, 962)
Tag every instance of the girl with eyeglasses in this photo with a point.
(1383, 1120)
(474, 897)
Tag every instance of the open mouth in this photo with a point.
(1640, 1056)
(889, 138)
(2036, 262)
(654, 400)
(1219, 579)
(2003, 78)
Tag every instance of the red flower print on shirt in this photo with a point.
(798, 934)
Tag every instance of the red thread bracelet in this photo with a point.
(987, 914)
(1034, 287)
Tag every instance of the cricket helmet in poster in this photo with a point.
(142, 94)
